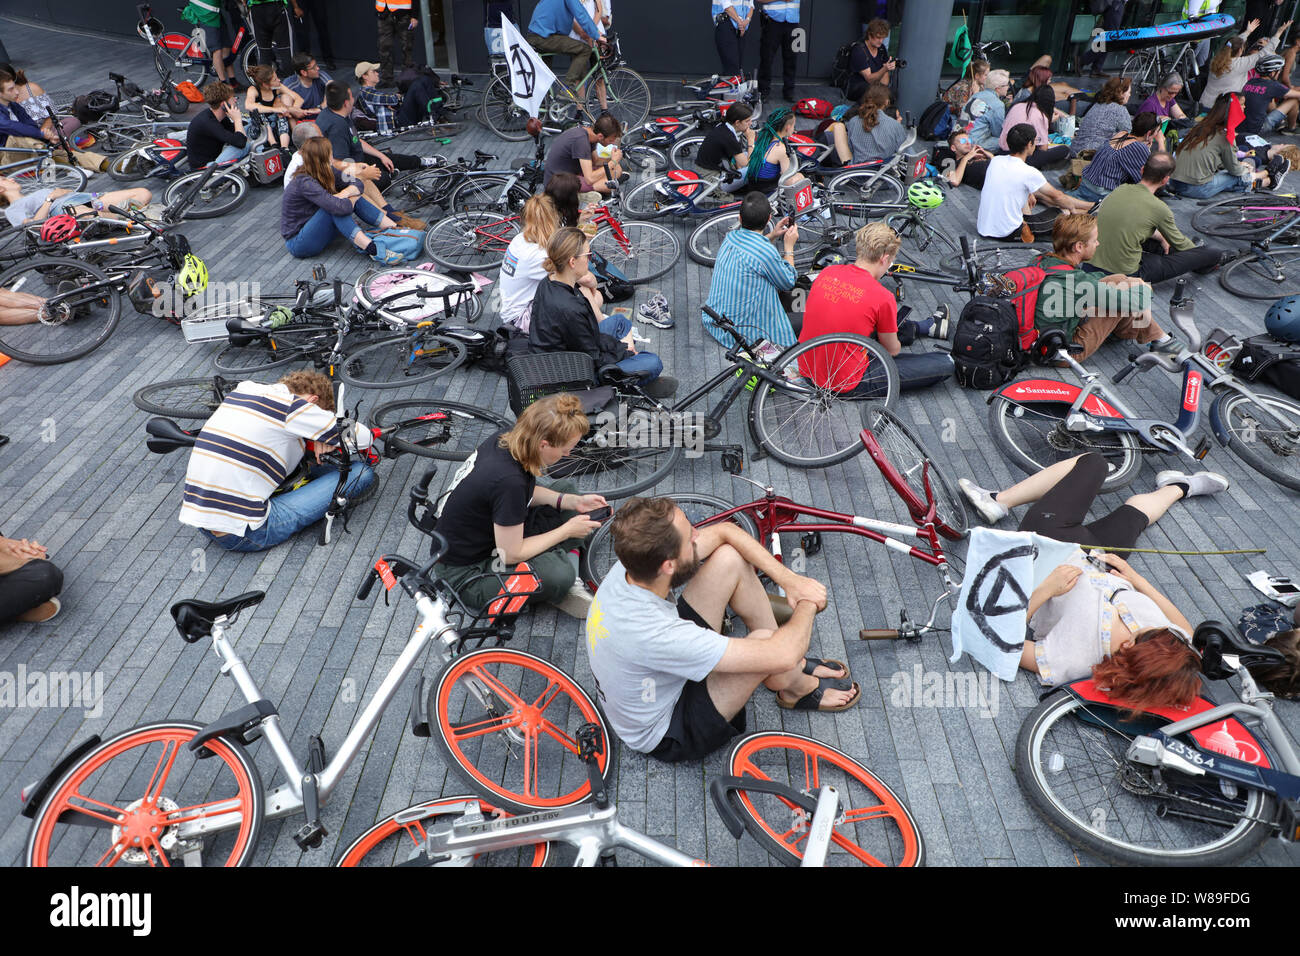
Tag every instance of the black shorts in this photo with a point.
(696, 728)
(1061, 512)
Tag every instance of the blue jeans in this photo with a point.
(1221, 182)
(1087, 192)
(646, 364)
(230, 153)
(321, 229)
(915, 370)
(289, 513)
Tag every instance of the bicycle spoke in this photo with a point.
(487, 725)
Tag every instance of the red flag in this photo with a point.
(1235, 115)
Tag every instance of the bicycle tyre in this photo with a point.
(281, 347)
(645, 251)
(512, 678)
(396, 839)
(196, 71)
(1248, 444)
(920, 242)
(599, 556)
(883, 823)
(806, 425)
(624, 464)
(500, 113)
(224, 192)
(111, 140)
(391, 362)
(908, 456)
(176, 102)
(471, 241)
(1271, 275)
(129, 795)
(376, 288)
(418, 189)
(485, 192)
(78, 322)
(432, 428)
(1092, 760)
(706, 239)
(1053, 443)
(1244, 217)
(627, 96)
(866, 189)
(193, 398)
(681, 155)
(52, 175)
(642, 160)
(652, 199)
(133, 165)
(996, 258)
(1139, 68)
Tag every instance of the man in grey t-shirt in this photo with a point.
(671, 685)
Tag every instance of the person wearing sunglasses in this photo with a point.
(961, 161)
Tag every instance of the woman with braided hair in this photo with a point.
(770, 160)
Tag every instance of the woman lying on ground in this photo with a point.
(1102, 619)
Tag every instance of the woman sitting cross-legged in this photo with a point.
(1108, 620)
(566, 317)
(315, 210)
(496, 515)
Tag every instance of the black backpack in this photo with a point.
(935, 122)
(1264, 359)
(986, 344)
(840, 73)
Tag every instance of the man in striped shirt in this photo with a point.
(750, 276)
(251, 444)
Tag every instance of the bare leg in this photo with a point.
(1035, 486)
(1154, 504)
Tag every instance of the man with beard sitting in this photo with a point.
(671, 684)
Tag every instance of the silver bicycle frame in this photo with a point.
(286, 799)
(594, 831)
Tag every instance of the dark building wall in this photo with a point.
(658, 36)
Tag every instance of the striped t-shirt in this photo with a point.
(252, 442)
(746, 284)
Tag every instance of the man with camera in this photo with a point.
(870, 62)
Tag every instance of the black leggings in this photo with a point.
(1060, 513)
(27, 587)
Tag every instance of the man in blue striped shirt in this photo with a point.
(750, 276)
(254, 440)
(777, 23)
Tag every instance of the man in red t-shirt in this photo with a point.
(850, 298)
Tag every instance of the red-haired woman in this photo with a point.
(1102, 619)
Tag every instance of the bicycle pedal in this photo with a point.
(733, 462)
(1202, 448)
(310, 835)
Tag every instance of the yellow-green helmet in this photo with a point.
(924, 195)
(193, 277)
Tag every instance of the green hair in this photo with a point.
(768, 135)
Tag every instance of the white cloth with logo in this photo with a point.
(1002, 569)
(520, 58)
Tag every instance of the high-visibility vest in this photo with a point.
(396, 6)
(1199, 8)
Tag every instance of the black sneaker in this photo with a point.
(665, 386)
(1170, 346)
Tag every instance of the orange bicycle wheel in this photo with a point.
(397, 839)
(123, 802)
(508, 721)
(873, 828)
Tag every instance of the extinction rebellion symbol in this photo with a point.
(995, 593)
(523, 68)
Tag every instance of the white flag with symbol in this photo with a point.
(530, 77)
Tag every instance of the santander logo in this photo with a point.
(1192, 395)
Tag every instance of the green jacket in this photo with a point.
(203, 13)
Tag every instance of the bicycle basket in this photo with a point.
(154, 26)
(538, 374)
(267, 165)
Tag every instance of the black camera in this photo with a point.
(900, 64)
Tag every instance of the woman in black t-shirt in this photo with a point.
(496, 515)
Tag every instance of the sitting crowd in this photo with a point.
(657, 619)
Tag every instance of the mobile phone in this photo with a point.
(1094, 558)
(601, 514)
(1284, 586)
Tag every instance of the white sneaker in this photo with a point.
(577, 602)
(1200, 483)
(983, 501)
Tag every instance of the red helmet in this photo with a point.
(813, 108)
(60, 228)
